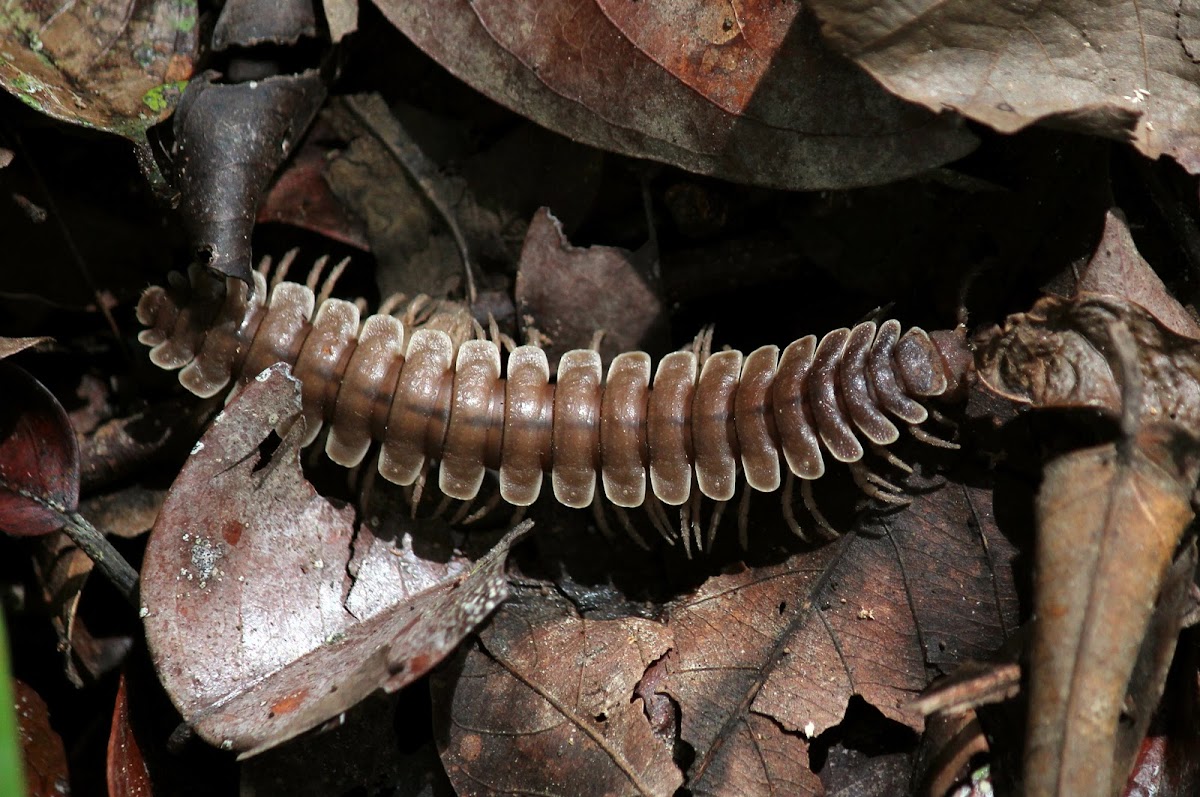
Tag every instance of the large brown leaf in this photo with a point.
(751, 95)
(1127, 70)
(245, 587)
(768, 656)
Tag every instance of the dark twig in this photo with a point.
(105, 557)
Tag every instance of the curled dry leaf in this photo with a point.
(545, 703)
(1124, 69)
(39, 457)
(229, 140)
(750, 95)
(245, 581)
(581, 291)
(1060, 354)
(113, 65)
(1109, 521)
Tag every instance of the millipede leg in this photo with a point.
(314, 275)
(658, 517)
(389, 305)
(602, 522)
(891, 459)
(714, 520)
(744, 519)
(627, 524)
(418, 487)
(789, 514)
(695, 523)
(334, 275)
(442, 507)
(685, 532)
(460, 514)
(281, 270)
(876, 486)
(929, 439)
(517, 516)
(597, 337)
(485, 510)
(810, 503)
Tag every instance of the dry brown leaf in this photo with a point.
(245, 581)
(1118, 269)
(545, 703)
(1109, 521)
(1120, 69)
(751, 96)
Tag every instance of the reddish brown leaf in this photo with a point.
(112, 65)
(128, 775)
(581, 291)
(39, 458)
(245, 581)
(545, 703)
(42, 751)
(1122, 69)
(807, 120)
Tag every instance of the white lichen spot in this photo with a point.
(144, 612)
(196, 449)
(186, 536)
(319, 564)
(227, 744)
(810, 729)
(264, 376)
(205, 556)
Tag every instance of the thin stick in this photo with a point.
(107, 560)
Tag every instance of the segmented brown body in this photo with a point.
(423, 400)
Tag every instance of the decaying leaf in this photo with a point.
(545, 703)
(1110, 522)
(245, 582)
(582, 291)
(229, 139)
(39, 457)
(1122, 70)
(750, 95)
(116, 66)
(1060, 354)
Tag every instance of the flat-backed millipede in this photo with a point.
(690, 420)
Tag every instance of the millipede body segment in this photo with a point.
(684, 422)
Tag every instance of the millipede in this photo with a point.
(652, 436)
